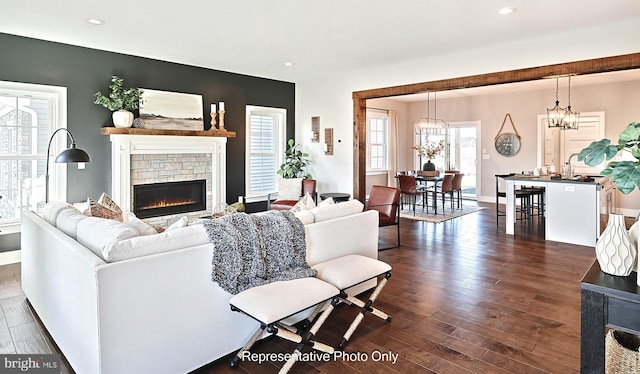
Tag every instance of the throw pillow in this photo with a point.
(139, 225)
(109, 203)
(180, 223)
(306, 203)
(289, 188)
(102, 211)
(327, 212)
(328, 201)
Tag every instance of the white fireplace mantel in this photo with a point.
(124, 145)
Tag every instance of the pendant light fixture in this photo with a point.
(571, 118)
(431, 125)
(555, 115)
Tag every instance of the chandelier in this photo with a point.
(555, 115)
(571, 118)
(562, 118)
(431, 125)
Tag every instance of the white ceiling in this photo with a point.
(322, 37)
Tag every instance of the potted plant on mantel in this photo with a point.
(295, 161)
(616, 249)
(120, 101)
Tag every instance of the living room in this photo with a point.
(85, 66)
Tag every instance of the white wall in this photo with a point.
(330, 97)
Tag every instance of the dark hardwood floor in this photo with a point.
(464, 296)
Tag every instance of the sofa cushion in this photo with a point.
(68, 221)
(97, 233)
(146, 245)
(326, 212)
(52, 209)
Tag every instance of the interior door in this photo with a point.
(463, 156)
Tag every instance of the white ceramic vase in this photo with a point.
(615, 251)
(122, 118)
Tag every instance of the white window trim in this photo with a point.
(281, 140)
(372, 115)
(58, 109)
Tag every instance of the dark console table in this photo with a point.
(607, 301)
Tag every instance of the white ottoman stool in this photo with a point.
(351, 270)
(269, 304)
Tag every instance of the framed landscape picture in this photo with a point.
(171, 110)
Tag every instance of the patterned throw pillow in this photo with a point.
(98, 210)
(289, 188)
(306, 203)
(109, 203)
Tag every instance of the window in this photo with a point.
(265, 150)
(377, 142)
(28, 116)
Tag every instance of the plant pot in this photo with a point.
(122, 118)
(429, 166)
(615, 251)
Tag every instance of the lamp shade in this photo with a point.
(73, 154)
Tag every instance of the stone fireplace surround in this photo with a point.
(161, 158)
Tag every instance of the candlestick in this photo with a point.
(213, 118)
(221, 114)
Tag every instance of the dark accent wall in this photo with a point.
(85, 71)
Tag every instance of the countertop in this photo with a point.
(595, 179)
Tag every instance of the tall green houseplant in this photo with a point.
(295, 162)
(626, 173)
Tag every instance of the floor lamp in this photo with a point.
(67, 156)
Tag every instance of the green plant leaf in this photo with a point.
(626, 174)
(597, 151)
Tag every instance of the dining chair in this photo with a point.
(444, 188)
(386, 200)
(523, 195)
(457, 187)
(409, 190)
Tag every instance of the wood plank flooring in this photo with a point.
(464, 296)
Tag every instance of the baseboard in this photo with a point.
(10, 257)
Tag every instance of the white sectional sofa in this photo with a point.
(153, 313)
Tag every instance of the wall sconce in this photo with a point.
(328, 141)
(315, 129)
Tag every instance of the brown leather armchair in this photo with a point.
(386, 200)
(308, 186)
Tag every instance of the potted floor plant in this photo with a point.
(295, 162)
(120, 101)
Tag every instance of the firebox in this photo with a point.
(163, 199)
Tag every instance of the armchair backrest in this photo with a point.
(308, 186)
(386, 201)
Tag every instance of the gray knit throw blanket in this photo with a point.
(250, 250)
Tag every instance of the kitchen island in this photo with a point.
(572, 207)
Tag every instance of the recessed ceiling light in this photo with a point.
(506, 10)
(289, 63)
(95, 21)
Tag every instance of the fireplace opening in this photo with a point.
(163, 199)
